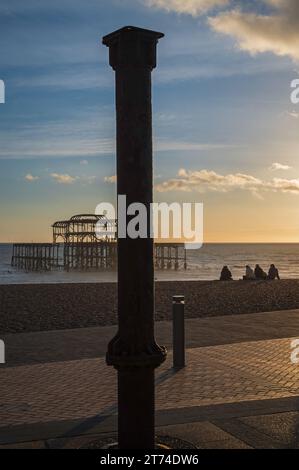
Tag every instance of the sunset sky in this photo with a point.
(225, 129)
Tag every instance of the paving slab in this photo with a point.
(86, 343)
(241, 372)
(283, 427)
(204, 435)
(239, 389)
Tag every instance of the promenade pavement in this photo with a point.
(239, 388)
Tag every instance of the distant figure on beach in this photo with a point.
(259, 273)
(273, 273)
(249, 274)
(226, 275)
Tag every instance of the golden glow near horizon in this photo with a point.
(228, 218)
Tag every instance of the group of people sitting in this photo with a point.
(252, 275)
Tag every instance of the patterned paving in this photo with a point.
(87, 343)
(256, 370)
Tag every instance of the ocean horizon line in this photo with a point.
(205, 243)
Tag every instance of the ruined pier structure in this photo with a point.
(76, 246)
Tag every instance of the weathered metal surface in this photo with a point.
(134, 351)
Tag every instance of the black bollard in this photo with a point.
(178, 307)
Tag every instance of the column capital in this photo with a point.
(132, 47)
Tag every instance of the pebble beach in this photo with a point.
(44, 307)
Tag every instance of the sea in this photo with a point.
(203, 264)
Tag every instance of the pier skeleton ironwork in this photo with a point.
(76, 246)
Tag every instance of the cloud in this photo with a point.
(279, 166)
(29, 177)
(173, 145)
(191, 7)
(68, 179)
(63, 178)
(207, 180)
(110, 179)
(86, 78)
(277, 32)
(285, 185)
(87, 136)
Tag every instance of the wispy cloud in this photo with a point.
(63, 149)
(279, 166)
(67, 138)
(70, 78)
(30, 178)
(208, 180)
(191, 7)
(181, 71)
(168, 145)
(63, 178)
(90, 135)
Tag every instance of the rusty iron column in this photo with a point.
(134, 351)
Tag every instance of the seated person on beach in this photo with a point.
(273, 273)
(259, 273)
(249, 275)
(226, 275)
